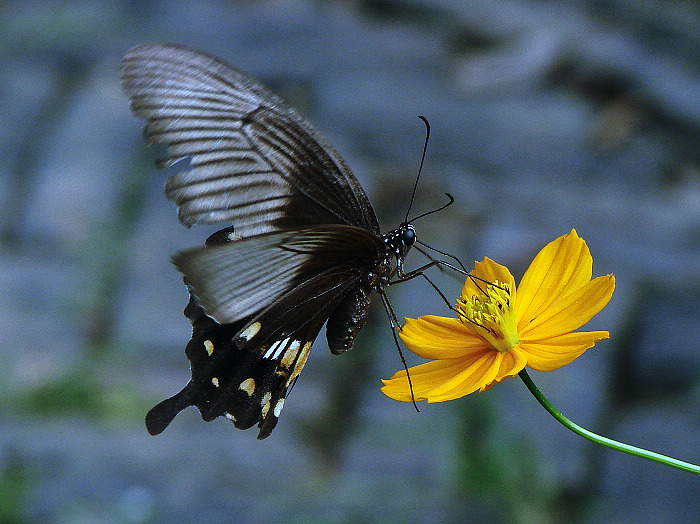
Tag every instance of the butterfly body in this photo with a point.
(304, 249)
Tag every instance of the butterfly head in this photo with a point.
(398, 242)
(407, 237)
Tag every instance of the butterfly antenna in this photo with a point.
(408, 373)
(452, 200)
(420, 168)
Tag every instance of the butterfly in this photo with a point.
(304, 250)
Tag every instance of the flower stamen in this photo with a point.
(493, 314)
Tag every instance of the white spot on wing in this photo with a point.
(215, 381)
(276, 349)
(278, 407)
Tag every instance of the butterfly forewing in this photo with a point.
(253, 160)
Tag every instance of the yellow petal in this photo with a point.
(562, 266)
(512, 363)
(423, 378)
(474, 374)
(442, 380)
(491, 272)
(559, 351)
(571, 311)
(436, 337)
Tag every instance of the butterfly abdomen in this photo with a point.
(347, 320)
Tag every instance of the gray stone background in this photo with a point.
(545, 116)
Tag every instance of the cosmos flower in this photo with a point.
(499, 330)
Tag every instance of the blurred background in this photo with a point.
(545, 117)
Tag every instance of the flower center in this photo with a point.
(491, 316)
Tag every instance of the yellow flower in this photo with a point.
(499, 330)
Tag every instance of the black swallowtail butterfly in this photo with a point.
(306, 249)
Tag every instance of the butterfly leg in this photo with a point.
(437, 290)
(393, 321)
(453, 257)
(403, 277)
(421, 272)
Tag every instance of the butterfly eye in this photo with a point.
(408, 237)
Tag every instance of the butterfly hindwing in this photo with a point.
(243, 370)
(232, 280)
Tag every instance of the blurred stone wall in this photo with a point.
(545, 117)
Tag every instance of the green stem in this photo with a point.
(604, 441)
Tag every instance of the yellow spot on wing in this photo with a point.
(265, 403)
(250, 331)
(290, 355)
(248, 385)
(215, 381)
(303, 355)
(209, 346)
